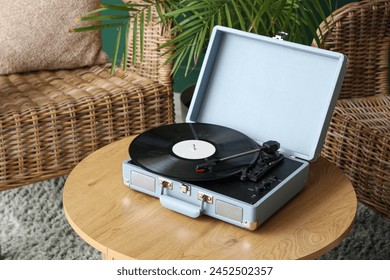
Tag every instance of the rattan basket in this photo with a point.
(358, 140)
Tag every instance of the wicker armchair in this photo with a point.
(51, 120)
(358, 140)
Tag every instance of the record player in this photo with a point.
(258, 117)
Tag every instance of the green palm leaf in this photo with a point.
(193, 21)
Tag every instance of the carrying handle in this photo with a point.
(181, 207)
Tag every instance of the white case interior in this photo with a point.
(268, 89)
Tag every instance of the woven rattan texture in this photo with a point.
(360, 30)
(358, 140)
(51, 120)
(155, 36)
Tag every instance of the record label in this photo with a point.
(193, 149)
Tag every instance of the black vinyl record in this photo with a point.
(176, 151)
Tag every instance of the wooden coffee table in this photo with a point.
(125, 224)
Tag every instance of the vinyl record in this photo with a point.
(176, 150)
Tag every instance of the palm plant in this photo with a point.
(192, 21)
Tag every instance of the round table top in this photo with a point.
(126, 224)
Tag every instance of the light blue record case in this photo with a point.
(267, 89)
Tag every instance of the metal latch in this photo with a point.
(205, 197)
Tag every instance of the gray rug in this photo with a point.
(33, 226)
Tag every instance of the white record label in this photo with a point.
(193, 149)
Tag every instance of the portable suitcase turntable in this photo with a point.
(259, 115)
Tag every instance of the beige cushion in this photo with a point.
(34, 35)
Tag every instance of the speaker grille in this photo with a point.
(228, 210)
(142, 181)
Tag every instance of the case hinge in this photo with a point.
(281, 35)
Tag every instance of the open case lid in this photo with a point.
(268, 89)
